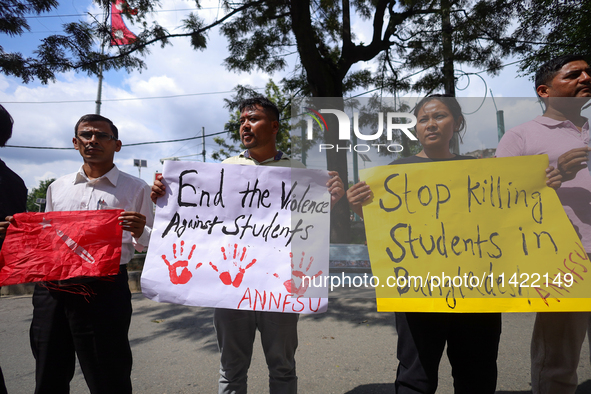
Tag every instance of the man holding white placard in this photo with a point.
(236, 329)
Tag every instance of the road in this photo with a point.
(350, 349)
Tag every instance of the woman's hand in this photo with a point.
(357, 195)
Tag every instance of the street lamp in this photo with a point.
(39, 202)
(139, 164)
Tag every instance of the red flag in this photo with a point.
(61, 245)
(121, 35)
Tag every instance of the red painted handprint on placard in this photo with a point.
(290, 285)
(185, 275)
(225, 276)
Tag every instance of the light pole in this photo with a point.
(39, 202)
(139, 164)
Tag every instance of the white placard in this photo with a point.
(240, 237)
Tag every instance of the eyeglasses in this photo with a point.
(99, 136)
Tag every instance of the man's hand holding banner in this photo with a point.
(240, 237)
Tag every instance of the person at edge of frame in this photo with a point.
(564, 86)
(13, 193)
(472, 338)
(236, 329)
(90, 317)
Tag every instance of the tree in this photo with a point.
(261, 34)
(78, 48)
(550, 28)
(325, 44)
(38, 192)
(12, 18)
(328, 49)
(467, 32)
(471, 32)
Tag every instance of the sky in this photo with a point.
(45, 115)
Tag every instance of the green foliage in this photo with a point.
(258, 38)
(320, 33)
(13, 12)
(38, 192)
(408, 37)
(78, 48)
(447, 33)
(550, 28)
(226, 149)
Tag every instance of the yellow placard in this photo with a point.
(482, 235)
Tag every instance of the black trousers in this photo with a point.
(2, 383)
(472, 346)
(94, 327)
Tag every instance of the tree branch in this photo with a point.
(136, 48)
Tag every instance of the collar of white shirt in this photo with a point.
(112, 176)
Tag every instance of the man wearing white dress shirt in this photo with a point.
(90, 317)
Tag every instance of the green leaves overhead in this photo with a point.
(79, 46)
(550, 28)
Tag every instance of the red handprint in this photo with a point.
(225, 276)
(290, 285)
(185, 275)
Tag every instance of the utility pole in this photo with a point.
(447, 49)
(448, 62)
(100, 82)
(99, 92)
(500, 118)
(203, 139)
(303, 137)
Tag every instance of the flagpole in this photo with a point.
(120, 35)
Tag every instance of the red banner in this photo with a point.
(121, 35)
(61, 245)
